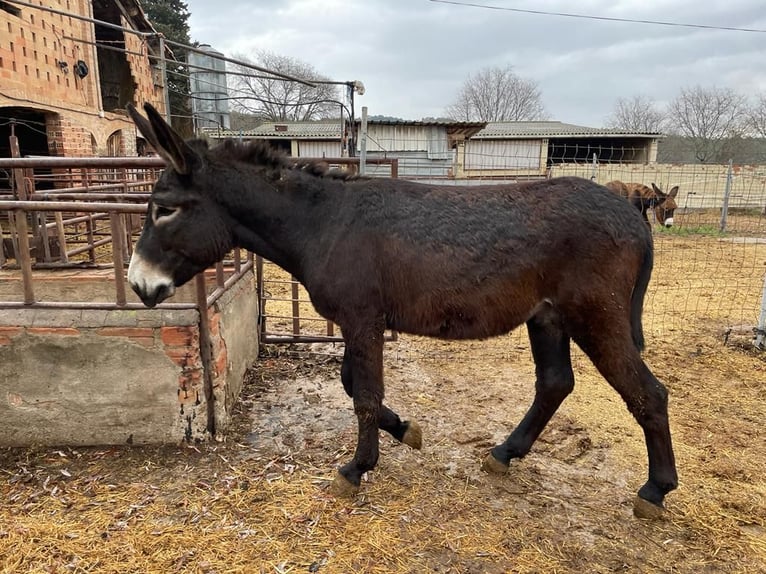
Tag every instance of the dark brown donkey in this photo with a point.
(565, 256)
(644, 198)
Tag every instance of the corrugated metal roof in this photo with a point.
(287, 130)
(539, 129)
(331, 130)
(435, 122)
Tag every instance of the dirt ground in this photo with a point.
(257, 501)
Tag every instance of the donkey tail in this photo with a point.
(637, 298)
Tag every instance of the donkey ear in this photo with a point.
(673, 192)
(168, 143)
(657, 190)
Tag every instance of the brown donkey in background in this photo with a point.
(565, 256)
(645, 198)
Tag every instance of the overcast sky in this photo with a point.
(413, 55)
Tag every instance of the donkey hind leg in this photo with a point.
(364, 357)
(407, 432)
(554, 381)
(617, 359)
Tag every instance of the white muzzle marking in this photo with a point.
(669, 222)
(147, 279)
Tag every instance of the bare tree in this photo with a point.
(638, 114)
(271, 99)
(757, 117)
(710, 118)
(497, 95)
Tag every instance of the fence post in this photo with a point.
(594, 167)
(363, 144)
(726, 194)
(760, 330)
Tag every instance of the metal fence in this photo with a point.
(88, 228)
(709, 271)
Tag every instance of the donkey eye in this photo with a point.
(162, 212)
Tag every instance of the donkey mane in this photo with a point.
(262, 154)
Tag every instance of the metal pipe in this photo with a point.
(121, 197)
(205, 351)
(118, 256)
(94, 306)
(24, 258)
(95, 207)
(64, 162)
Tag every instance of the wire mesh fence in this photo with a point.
(708, 277)
(710, 266)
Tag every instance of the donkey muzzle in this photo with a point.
(148, 281)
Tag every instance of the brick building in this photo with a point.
(65, 81)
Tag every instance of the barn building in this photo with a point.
(439, 150)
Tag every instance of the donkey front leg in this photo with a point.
(364, 359)
(555, 380)
(407, 432)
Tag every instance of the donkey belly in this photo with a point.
(472, 316)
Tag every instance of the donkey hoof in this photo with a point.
(494, 466)
(642, 508)
(342, 487)
(413, 436)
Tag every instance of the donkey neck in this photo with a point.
(281, 218)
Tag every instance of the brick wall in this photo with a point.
(32, 46)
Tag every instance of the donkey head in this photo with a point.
(185, 231)
(664, 205)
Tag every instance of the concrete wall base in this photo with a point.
(73, 377)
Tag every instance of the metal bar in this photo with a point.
(760, 331)
(205, 350)
(363, 144)
(14, 232)
(43, 236)
(312, 319)
(55, 196)
(91, 249)
(726, 195)
(61, 235)
(20, 190)
(296, 309)
(81, 219)
(93, 189)
(218, 292)
(2, 246)
(277, 338)
(94, 306)
(137, 162)
(219, 277)
(23, 257)
(270, 338)
(78, 162)
(237, 260)
(260, 293)
(88, 207)
(118, 257)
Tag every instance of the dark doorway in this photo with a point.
(29, 127)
